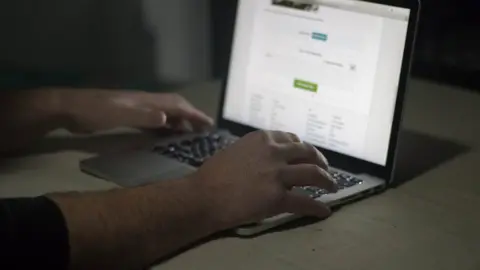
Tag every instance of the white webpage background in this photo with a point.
(283, 50)
(352, 111)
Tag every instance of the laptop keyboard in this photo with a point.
(197, 150)
(343, 181)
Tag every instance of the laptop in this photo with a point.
(334, 72)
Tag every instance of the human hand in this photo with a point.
(98, 110)
(253, 179)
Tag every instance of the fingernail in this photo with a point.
(186, 126)
(325, 160)
(211, 121)
(335, 187)
(163, 118)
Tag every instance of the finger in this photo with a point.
(284, 137)
(182, 125)
(294, 137)
(188, 112)
(143, 118)
(300, 204)
(297, 153)
(197, 118)
(178, 107)
(303, 175)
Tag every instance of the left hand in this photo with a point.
(99, 110)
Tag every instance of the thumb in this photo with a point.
(301, 204)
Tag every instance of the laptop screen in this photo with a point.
(326, 70)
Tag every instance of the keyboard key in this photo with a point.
(205, 148)
(159, 149)
(196, 162)
(343, 181)
(197, 150)
(186, 144)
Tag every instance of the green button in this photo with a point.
(304, 85)
(320, 36)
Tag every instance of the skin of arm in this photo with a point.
(28, 115)
(133, 228)
(249, 181)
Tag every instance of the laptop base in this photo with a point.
(158, 163)
(369, 187)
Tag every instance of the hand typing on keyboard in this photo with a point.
(254, 177)
(198, 150)
(250, 180)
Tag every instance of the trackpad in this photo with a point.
(135, 168)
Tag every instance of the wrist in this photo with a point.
(210, 219)
(210, 207)
(195, 204)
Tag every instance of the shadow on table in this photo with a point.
(419, 153)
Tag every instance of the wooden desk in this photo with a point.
(430, 222)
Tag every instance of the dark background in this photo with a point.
(447, 49)
(159, 44)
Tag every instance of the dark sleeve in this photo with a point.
(33, 235)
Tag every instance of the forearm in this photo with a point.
(131, 229)
(26, 116)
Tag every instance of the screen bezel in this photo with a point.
(336, 159)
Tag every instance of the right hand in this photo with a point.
(253, 179)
